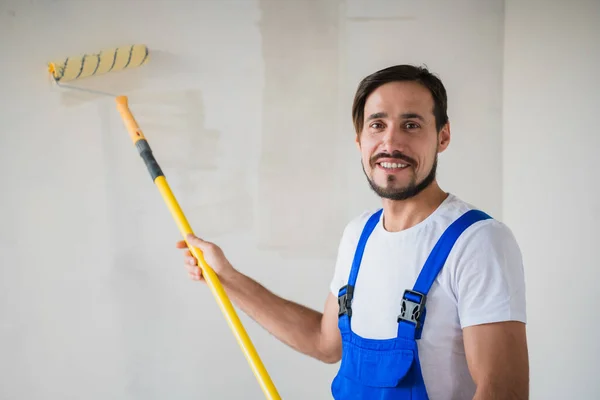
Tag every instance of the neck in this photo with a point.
(404, 214)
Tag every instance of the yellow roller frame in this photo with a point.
(209, 275)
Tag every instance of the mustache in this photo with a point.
(397, 155)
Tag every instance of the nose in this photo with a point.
(392, 138)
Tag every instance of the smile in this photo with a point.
(391, 165)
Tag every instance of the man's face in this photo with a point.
(399, 142)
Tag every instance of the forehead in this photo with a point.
(399, 97)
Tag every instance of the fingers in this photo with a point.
(190, 262)
(191, 265)
(189, 259)
(194, 273)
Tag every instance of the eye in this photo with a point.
(411, 125)
(376, 125)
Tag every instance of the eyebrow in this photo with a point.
(377, 115)
(412, 115)
(403, 116)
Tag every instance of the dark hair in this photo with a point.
(401, 73)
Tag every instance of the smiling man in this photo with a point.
(428, 296)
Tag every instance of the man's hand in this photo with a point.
(213, 255)
(498, 360)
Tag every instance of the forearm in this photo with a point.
(295, 325)
(496, 391)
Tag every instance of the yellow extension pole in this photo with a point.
(209, 275)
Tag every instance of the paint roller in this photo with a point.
(105, 61)
(126, 57)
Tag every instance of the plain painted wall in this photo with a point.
(94, 301)
(551, 197)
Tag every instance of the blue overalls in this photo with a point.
(390, 369)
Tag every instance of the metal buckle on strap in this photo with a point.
(411, 310)
(345, 301)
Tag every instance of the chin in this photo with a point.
(392, 183)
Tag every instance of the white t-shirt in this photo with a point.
(482, 281)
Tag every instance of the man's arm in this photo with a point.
(305, 330)
(490, 290)
(497, 357)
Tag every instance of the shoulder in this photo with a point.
(346, 249)
(355, 226)
(482, 234)
(488, 238)
(486, 251)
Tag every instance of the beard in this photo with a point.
(412, 189)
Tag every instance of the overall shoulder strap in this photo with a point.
(346, 293)
(413, 311)
(437, 258)
(362, 242)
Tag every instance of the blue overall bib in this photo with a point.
(390, 369)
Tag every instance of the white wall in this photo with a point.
(94, 301)
(551, 196)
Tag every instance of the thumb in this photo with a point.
(196, 241)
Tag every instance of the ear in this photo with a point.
(357, 141)
(444, 137)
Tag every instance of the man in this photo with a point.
(451, 329)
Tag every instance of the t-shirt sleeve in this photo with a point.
(345, 254)
(342, 263)
(489, 281)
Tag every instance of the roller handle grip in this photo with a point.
(137, 136)
(135, 133)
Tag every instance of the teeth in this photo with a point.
(392, 165)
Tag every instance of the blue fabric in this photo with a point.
(390, 368)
